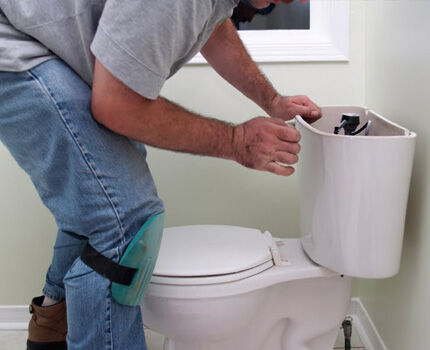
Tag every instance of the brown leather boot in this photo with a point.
(48, 326)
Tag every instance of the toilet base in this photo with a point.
(324, 342)
(299, 315)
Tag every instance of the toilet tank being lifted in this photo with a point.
(353, 192)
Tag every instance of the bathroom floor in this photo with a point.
(15, 340)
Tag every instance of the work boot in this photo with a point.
(48, 326)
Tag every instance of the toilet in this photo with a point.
(217, 287)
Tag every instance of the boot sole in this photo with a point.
(61, 345)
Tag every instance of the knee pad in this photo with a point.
(131, 276)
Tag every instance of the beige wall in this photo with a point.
(398, 86)
(195, 189)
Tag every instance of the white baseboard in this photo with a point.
(16, 317)
(363, 325)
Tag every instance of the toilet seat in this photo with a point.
(300, 267)
(212, 254)
(206, 280)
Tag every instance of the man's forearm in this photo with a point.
(259, 143)
(158, 123)
(226, 53)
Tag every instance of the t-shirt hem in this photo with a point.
(118, 62)
(22, 67)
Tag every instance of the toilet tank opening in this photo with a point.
(331, 118)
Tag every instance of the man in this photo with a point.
(245, 12)
(79, 98)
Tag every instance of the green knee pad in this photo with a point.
(141, 254)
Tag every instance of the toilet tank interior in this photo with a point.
(380, 126)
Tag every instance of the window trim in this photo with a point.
(326, 40)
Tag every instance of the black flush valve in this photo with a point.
(349, 123)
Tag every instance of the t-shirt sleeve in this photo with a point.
(138, 41)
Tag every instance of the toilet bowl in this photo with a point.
(225, 287)
(217, 287)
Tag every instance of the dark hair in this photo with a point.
(245, 12)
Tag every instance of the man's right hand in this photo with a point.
(262, 143)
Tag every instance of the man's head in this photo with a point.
(259, 4)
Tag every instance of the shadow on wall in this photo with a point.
(401, 292)
(414, 227)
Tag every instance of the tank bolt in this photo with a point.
(347, 332)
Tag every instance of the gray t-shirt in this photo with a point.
(142, 42)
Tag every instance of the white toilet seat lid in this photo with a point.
(211, 250)
(208, 280)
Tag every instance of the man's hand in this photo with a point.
(262, 143)
(226, 53)
(258, 143)
(286, 108)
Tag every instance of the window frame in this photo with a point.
(326, 40)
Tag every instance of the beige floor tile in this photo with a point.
(154, 341)
(13, 340)
(16, 340)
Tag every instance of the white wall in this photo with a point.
(195, 189)
(398, 86)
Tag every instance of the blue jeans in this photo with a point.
(97, 185)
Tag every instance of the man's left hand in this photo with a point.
(287, 107)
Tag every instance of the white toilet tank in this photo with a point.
(354, 192)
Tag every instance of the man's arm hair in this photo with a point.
(159, 122)
(259, 143)
(226, 53)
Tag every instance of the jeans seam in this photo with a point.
(51, 296)
(109, 335)
(50, 288)
(83, 152)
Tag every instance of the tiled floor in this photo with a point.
(15, 340)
